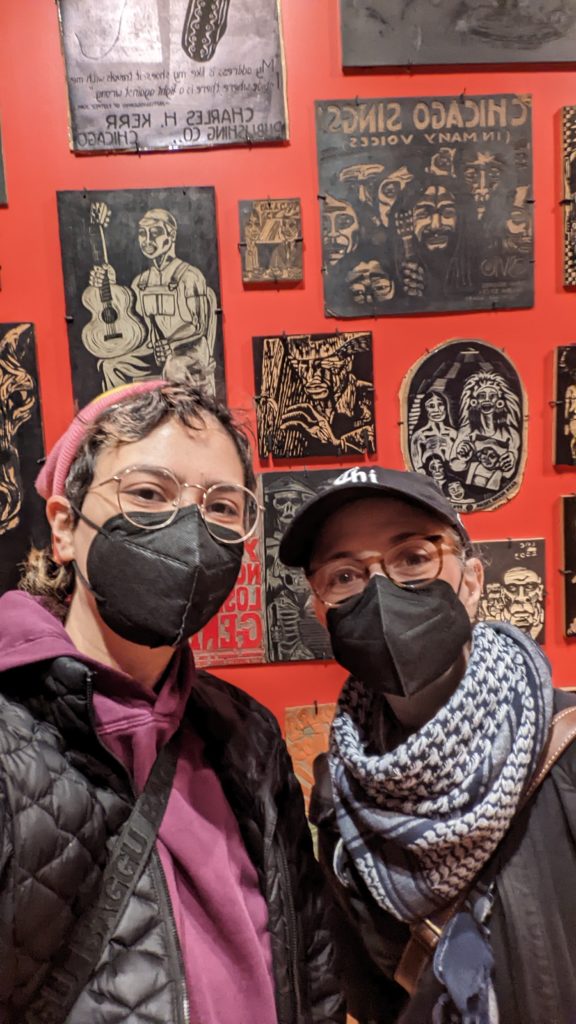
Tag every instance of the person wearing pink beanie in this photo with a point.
(155, 861)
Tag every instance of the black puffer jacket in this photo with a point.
(63, 799)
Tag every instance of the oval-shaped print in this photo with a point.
(464, 414)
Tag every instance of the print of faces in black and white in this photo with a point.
(465, 424)
(420, 224)
(514, 590)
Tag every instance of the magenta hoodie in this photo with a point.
(220, 914)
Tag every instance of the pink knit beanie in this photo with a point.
(52, 476)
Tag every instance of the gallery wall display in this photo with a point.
(426, 204)
(380, 33)
(235, 636)
(271, 240)
(142, 287)
(569, 186)
(314, 394)
(307, 736)
(22, 519)
(569, 568)
(514, 584)
(292, 631)
(464, 423)
(173, 74)
(3, 193)
(565, 406)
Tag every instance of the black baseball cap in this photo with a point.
(298, 542)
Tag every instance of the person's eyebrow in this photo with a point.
(396, 539)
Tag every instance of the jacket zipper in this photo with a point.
(294, 1008)
(183, 997)
(154, 863)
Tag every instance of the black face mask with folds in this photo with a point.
(398, 640)
(159, 587)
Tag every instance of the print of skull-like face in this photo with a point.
(522, 596)
(286, 503)
(340, 229)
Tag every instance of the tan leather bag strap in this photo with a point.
(426, 933)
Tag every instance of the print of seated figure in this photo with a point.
(434, 431)
(489, 418)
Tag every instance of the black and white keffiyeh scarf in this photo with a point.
(421, 821)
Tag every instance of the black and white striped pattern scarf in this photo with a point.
(421, 821)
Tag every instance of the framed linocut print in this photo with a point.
(235, 635)
(514, 584)
(381, 33)
(569, 202)
(307, 736)
(569, 568)
(464, 416)
(426, 204)
(173, 74)
(22, 519)
(565, 406)
(271, 240)
(142, 287)
(292, 631)
(314, 394)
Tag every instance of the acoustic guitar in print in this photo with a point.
(114, 329)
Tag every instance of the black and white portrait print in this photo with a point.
(142, 287)
(464, 413)
(292, 631)
(514, 584)
(22, 519)
(565, 406)
(381, 33)
(271, 240)
(314, 394)
(426, 204)
(569, 567)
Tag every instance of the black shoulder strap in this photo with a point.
(93, 931)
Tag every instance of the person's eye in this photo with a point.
(147, 494)
(223, 508)
(344, 576)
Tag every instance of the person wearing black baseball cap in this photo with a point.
(437, 736)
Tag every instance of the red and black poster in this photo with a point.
(235, 636)
(426, 204)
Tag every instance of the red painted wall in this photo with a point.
(33, 114)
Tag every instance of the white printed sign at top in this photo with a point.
(173, 74)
